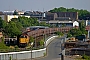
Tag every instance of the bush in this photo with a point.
(16, 47)
(41, 42)
(86, 57)
(59, 33)
(44, 54)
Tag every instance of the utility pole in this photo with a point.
(31, 49)
(62, 49)
(63, 52)
(31, 52)
(44, 35)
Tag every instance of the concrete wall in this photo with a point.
(26, 54)
(49, 40)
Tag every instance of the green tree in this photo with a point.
(69, 35)
(15, 13)
(44, 24)
(82, 27)
(71, 10)
(75, 32)
(12, 30)
(3, 23)
(18, 24)
(26, 22)
(63, 25)
(61, 9)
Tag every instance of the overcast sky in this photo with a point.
(41, 5)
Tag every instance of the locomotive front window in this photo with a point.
(23, 36)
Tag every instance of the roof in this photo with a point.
(37, 27)
(56, 21)
(1, 13)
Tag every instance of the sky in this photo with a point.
(43, 5)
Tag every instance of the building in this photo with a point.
(60, 16)
(50, 16)
(1, 13)
(63, 23)
(9, 17)
(36, 14)
(8, 12)
(17, 12)
(70, 15)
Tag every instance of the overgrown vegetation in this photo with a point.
(86, 57)
(44, 54)
(2, 45)
(41, 42)
(31, 39)
(59, 33)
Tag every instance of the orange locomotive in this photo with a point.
(23, 40)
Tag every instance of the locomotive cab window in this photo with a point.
(23, 36)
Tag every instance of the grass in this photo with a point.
(44, 54)
(3, 46)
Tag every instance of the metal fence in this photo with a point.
(22, 55)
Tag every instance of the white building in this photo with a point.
(66, 23)
(9, 17)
